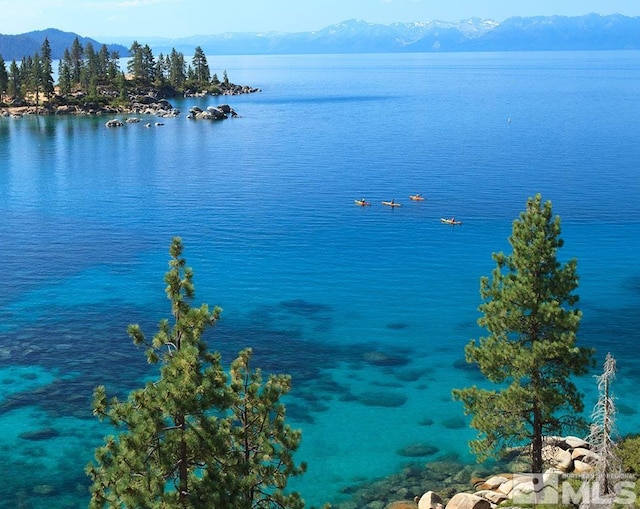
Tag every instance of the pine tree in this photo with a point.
(76, 61)
(202, 74)
(104, 61)
(530, 352)
(135, 66)
(193, 438)
(47, 69)
(148, 65)
(14, 87)
(113, 68)
(4, 79)
(91, 70)
(161, 70)
(177, 72)
(65, 79)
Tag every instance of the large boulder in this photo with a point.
(492, 496)
(217, 113)
(581, 467)
(585, 455)
(430, 500)
(114, 122)
(467, 501)
(562, 460)
(66, 109)
(493, 482)
(576, 442)
(146, 99)
(211, 113)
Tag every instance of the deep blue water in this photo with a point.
(368, 308)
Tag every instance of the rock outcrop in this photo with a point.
(220, 112)
(562, 455)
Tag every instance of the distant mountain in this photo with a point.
(352, 36)
(548, 33)
(588, 32)
(14, 47)
(540, 33)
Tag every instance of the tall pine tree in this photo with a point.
(530, 351)
(47, 70)
(195, 437)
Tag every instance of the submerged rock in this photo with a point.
(382, 399)
(40, 434)
(418, 450)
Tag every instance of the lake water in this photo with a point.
(368, 308)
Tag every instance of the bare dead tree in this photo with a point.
(603, 431)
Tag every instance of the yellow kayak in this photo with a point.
(362, 203)
(416, 197)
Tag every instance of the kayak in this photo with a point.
(391, 204)
(450, 221)
(416, 197)
(362, 203)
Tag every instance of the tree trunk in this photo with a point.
(183, 467)
(536, 445)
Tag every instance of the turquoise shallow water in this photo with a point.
(368, 308)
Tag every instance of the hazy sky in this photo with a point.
(177, 18)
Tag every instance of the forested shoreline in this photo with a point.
(91, 81)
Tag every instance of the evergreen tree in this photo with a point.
(113, 67)
(134, 65)
(161, 70)
(121, 83)
(141, 65)
(202, 74)
(25, 71)
(76, 61)
(91, 69)
(47, 69)
(148, 65)
(530, 352)
(65, 80)
(104, 60)
(177, 72)
(191, 75)
(14, 87)
(4, 79)
(35, 79)
(192, 439)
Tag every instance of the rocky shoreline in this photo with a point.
(446, 483)
(144, 102)
(160, 108)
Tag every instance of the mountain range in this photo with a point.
(538, 33)
(14, 47)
